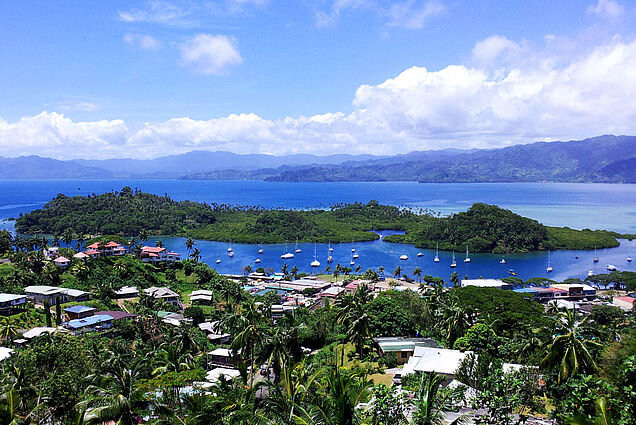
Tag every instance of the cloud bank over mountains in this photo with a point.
(507, 92)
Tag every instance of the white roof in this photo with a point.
(35, 332)
(514, 367)
(75, 292)
(161, 292)
(201, 297)
(127, 290)
(204, 292)
(440, 360)
(484, 283)
(222, 352)
(568, 286)
(5, 353)
(334, 290)
(10, 297)
(44, 290)
(215, 374)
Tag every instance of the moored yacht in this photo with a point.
(420, 254)
(297, 249)
(315, 263)
(436, 259)
(549, 268)
(287, 255)
(404, 257)
(453, 263)
(467, 260)
(258, 260)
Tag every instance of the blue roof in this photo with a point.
(526, 290)
(89, 321)
(79, 309)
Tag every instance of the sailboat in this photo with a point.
(355, 255)
(329, 259)
(315, 263)
(260, 251)
(352, 262)
(230, 248)
(354, 248)
(404, 257)
(297, 249)
(287, 255)
(258, 260)
(231, 254)
(502, 261)
(629, 258)
(467, 260)
(453, 263)
(420, 254)
(330, 247)
(437, 253)
(549, 269)
(590, 273)
(218, 260)
(595, 257)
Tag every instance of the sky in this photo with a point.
(142, 79)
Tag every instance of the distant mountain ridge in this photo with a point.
(608, 158)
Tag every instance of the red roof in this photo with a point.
(110, 244)
(116, 315)
(556, 289)
(152, 254)
(92, 252)
(174, 253)
(625, 299)
(61, 260)
(152, 249)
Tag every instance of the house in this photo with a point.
(214, 335)
(164, 294)
(626, 303)
(157, 254)
(81, 255)
(201, 296)
(486, 283)
(41, 294)
(402, 347)
(117, 315)
(538, 294)
(431, 359)
(220, 357)
(9, 303)
(174, 319)
(332, 292)
(79, 312)
(215, 374)
(576, 291)
(108, 249)
(279, 310)
(353, 286)
(62, 262)
(91, 323)
(5, 353)
(77, 295)
(127, 292)
(37, 331)
(51, 252)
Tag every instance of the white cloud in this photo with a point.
(607, 9)
(210, 54)
(157, 12)
(78, 106)
(142, 41)
(540, 94)
(413, 14)
(323, 19)
(489, 50)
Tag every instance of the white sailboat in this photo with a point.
(502, 261)
(467, 260)
(590, 273)
(436, 253)
(258, 260)
(329, 259)
(549, 268)
(355, 255)
(354, 248)
(315, 263)
(260, 251)
(287, 255)
(453, 263)
(352, 262)
(404, 257)
(218, 261)
(420, 254)
(297, 249)
(230, 248)
(595, 257)
(231, 254)
(330, 247)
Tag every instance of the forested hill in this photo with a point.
(483, 228)
(600, 159)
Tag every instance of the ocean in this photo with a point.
(593, 206)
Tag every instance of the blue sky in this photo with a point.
(99, 79)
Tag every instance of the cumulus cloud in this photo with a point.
(210, 54)
(547, 96)
(142, 41)
(607, 9)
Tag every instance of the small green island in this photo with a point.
(483, 228)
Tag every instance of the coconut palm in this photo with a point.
(284, 269)
(418, 272)
(569, 352)
(67, 237)
(353, 313)
(195, 254)
(189, 244)
(294, 271)
(397, 272)
(247, 327)
(430, 404)
(143, 235)
(8, 329)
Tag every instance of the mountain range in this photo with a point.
(606, 158)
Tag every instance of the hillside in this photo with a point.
(484, 228)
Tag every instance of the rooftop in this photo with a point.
(77, 309)
(486, 283)
(10, 297)
(116, 314)
(89, 321)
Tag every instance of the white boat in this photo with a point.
(549, 268)
(258, 260)
(315, 263)
(502, 261)
(352, 262)
(329, 259)
(611, 267)
(354, 248)
(230, 248)
(297, 249)
(404, 257)
(467, 260)
(355, 255)
(420, 254)
(260, 251)
(231, 254)
(330, 247)
(595, 257)
(287, 255)
(590, 273)
(218, 261)
(629, 258)
(437, 253)
(453, 263)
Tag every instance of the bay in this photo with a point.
(594, 206)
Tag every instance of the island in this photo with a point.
(132, 213)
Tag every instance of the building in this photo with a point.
(79, 312)
(220, 357)
(402, 347)
(353, 286)
(439, 360)
(62, 262)
(5, 353)
(214, 375)
(10, 303)
(127, 292)
(164, 294)
(538, 294)
(202, 296)
(51, 252)
(107, 249)
(77, 295)
(157, 254)
(117, 315)
(626, 303)
(486, 283)
(92, 323)
(576, 291)
(37, 331)
(214, 335)
(332, 292)
(42, 294)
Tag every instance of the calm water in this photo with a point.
(594, 206)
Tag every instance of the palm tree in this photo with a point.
(455, 319)
(189, 244)
(248, 331)
(344, 391)
(570, 350)
(67, 237)
(247, 270)
(381, 270)
(430, 404)
(143, 235)
(294, 271)
(284, 268)
(195, 254)
(418, 272)
(397, 272)
(159, 243)
(353, 313)
(8, 329)
(454, 279)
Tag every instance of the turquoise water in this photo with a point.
(594, 206)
